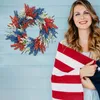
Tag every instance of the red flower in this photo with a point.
(20, 37)
(25, 24)
(49, 23)
(19, 45)
(42, 47)
(29, 11)
(45, 28)
(14, 21)
(39, 45)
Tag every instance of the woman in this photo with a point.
(83, 35)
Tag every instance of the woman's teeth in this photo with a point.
(83, 22)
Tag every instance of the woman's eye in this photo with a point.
(86, 12)
(77, 14)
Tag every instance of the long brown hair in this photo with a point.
(72, 34)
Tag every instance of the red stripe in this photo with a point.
(66, 79)
(61, 66)
(67, 95)
(73, 54)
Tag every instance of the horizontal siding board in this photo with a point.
(24, 82)
(44, 2)
(18, 78)
(14, 71)
(25, 94)
(58, 11)
(37, 2)
(26, 59)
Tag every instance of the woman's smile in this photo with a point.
(83, 22)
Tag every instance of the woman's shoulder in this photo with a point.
(64, 42)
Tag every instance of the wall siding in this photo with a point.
(23, 76)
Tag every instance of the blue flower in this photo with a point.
(43, 32)
(39, 12)
(16, 14)
(17, 32)
(52, 30)
(12, 38)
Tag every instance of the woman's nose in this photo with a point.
(82, 16)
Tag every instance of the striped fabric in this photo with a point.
(66, 82)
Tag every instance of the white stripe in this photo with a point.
(58, 72)
(67, 87)
(68, 60)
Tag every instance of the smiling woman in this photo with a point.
(82, 17)
(74, 62)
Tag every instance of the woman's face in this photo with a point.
(81, 17)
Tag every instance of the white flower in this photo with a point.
(22, 13)
(28, 17)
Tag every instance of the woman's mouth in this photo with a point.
(83, 22)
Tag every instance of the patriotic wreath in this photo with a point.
(28, 17)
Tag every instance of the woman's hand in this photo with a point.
(88, 70)
(86, 82)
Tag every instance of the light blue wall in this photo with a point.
(25, 77)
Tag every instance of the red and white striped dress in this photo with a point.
(65, 80)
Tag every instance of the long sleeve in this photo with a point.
(65, 79)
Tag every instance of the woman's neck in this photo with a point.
(84, 35)
(83, 39)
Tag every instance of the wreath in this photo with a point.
(30, 16)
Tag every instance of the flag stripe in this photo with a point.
(66, 79)
(55, 99)
(73, 54)
(68, 60)
(67, 87)
(67, 95)
(61, 66)
(58, 72)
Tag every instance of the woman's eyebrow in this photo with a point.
(79, 12)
